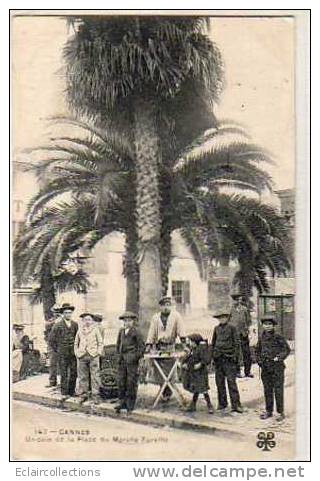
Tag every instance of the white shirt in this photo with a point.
(174, 328)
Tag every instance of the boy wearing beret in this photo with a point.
(271, 351)
(195, 371)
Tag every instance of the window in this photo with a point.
(180, 292)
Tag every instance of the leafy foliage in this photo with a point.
(215, 225)
(111, 59)
(243, 229)
(63, 282)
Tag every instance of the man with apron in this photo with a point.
(166, 326)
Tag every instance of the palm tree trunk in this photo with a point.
(166, 229)
(165, 256)
(148, 218)
(131, 271)
(48, 292)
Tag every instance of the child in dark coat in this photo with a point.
(271, 351)
(195, 371)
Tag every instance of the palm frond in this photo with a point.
(198, 248)
(218, 157)
(109, 135)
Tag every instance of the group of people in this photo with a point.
(77, 347)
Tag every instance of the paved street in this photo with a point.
(41, 433)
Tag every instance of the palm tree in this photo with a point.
(51, 285)
(124, 71)
(98, 169)
(42, 251)
(86, 169)
(242, 229)
(223, 156)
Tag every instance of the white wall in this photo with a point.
(108, 293)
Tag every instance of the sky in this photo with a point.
(258, 55)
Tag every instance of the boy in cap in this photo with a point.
(271, 351)
(165, 327)
(195, 371)
(61, 340)
(130, 347)
(88, 347)
(225, 354)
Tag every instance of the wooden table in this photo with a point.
(169, 380)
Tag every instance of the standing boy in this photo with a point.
(225, 354)
(271, 351)
(88, 347)
(130, 347)
(61, 340)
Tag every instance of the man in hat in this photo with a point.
(271, 351)
(240, 318)
(53, 356)
(225, 354)
(130, 347)
(61, 340)
(165, 327)
(88, 347)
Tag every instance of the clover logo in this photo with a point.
(266, 441)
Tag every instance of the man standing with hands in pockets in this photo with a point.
(61, 340)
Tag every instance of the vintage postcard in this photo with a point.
(159, 306)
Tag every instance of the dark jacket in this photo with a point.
(196, 381)
(130, 346)
(225, 342)
(23, 344)
(271, 345)
(48, 327)
(61, 337)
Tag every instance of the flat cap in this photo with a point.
(165, 300)
(269, 319)
(84, 314)
(18, 326)
(128, 315)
